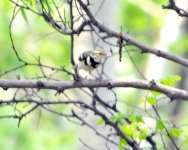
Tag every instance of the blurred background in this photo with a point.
(145, 20)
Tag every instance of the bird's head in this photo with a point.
(100, 54)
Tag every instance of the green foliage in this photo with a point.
(175, 132)
(122, 143)
(100, 121)
(160, 125)
(152, 100)
(24, 14)
(172, 131)
(128, 130)
(143, 134)
(135, 130)
(118, 117)
(170, 80)
(154, 93)
(136, 118)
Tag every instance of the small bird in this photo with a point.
(90, 60)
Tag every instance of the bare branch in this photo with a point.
(130, 40)
(172, 5)
(171, 92)
(72, 27)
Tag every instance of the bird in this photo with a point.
(91, 59)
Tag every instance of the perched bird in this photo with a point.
(90, 60)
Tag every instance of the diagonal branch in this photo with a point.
(130, 40)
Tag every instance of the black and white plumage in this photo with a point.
(90, 60)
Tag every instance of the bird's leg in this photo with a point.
(76, 76)
(95, 77)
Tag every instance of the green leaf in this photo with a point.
(136, 118)
(164, 81)
(128, 130)
(139, 118)
(135, 135)
(143, 134)
(152, 100)
(177, 78)
(170, 80)
(175, 132)
(113, 118)
(122, 143)
(160, 125)
(24, 14)
(100, 121)
(118, 117)
(155, 93)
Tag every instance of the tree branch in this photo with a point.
(60, 86)
(172, 5)
(70, 2)
(130, 40)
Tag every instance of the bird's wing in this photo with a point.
(84, 55)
